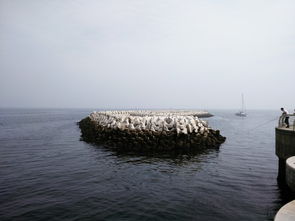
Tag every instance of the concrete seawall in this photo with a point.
(285, 148)
(290, 173)
(286, 213)
(150, 130)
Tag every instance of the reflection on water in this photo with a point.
(174, 158)
(47, 173)
(178, 157)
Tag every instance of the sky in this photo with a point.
(183, 54)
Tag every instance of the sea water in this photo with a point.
(47, 173)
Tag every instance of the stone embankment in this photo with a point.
(145, 130)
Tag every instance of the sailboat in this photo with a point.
(242, 113)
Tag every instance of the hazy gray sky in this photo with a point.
(147, 53)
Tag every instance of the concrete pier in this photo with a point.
(285, 148)
(290, 173)
(286, 213)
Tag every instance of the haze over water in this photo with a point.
(142, 54)
(47, 173)
(147, 54)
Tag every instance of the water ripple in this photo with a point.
(47, 173)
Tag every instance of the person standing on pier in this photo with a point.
(285, 114)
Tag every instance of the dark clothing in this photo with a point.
(287, 121)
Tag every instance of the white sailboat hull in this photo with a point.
(241, 114)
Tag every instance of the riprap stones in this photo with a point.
(150, 130)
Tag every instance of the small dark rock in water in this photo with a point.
(145, 131)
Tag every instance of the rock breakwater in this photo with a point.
(150, 130)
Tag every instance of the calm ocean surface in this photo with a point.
(47, 173)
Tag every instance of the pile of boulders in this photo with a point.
(145, 130)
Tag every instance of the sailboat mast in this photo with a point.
(243, 107)
(242, 112)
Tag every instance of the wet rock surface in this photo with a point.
(150, 130)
